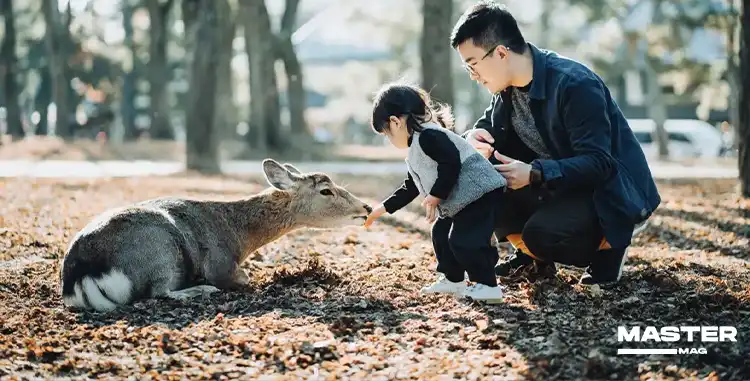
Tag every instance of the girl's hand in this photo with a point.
(374, 215)
(430, 205)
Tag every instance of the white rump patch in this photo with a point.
(114, 284)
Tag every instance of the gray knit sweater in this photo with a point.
(476, 178)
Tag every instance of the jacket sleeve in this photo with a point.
(402, 196)
(485, 121)
(584, 113)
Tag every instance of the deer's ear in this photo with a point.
(278, 176)
(292, 169)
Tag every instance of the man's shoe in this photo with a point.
(484, 293)
(639, 228)
(519, 259)
(606, 268)
(444, 286)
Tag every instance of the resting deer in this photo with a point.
(181, 248)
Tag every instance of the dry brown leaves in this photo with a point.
(346, 305)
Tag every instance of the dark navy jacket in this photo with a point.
(589, 139)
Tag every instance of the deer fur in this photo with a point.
(181, 248)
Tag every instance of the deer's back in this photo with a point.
(165, 229)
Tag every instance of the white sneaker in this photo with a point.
(444, 286)
(639, 228)
(484, 293)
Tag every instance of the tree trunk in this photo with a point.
(296, 89)
(435, 51)
(226, 111)
(743, 128)
(657, 110)
(42, 100)
(127, 106)
(9, 69)
(202, 137)
(265, 116)
(544, 27)
(54, 38)
(158, 70)
(256, 136)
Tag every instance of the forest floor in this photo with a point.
(345, 304)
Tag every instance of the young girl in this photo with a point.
(460, 187)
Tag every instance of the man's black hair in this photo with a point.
(488, 24)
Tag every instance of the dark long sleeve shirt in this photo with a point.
(440, 148)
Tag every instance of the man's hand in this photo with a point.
(430, 205)
(481, 140)
(516, 172)
(374, 215)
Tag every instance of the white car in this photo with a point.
(688, 138)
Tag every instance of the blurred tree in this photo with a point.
(265, 115)
(9, 70)
(130, 68)
(634, 53)
(58, 42)
(295, 83)
(158, 69)
(226, 110)
(202, 135)
(42, 99)
(743, 101)
(435, 49)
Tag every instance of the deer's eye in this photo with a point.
(326, 192)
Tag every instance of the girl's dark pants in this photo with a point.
(463, 242)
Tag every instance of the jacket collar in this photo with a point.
(538, 84)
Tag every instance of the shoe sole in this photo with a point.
(457, 293)
(488, 301)
(622, 264)
(640, 228)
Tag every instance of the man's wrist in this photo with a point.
(536, 175)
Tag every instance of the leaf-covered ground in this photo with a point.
(345, 304)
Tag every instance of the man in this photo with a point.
(579, 180)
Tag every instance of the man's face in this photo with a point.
(489, 68)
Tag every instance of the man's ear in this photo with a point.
(278, 176)
(501, 51)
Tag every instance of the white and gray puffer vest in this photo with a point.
(476, 177)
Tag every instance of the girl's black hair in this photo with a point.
(411, 101)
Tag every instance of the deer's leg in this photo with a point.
(191, 292)
(240, 277)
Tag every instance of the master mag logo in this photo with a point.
(673, 340)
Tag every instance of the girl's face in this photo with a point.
(397, 133)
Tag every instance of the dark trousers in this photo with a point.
(463, 242)
(562, 228)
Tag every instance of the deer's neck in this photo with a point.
(261, 219)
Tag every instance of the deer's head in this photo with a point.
(316, 201)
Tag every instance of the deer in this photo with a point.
(180, 248)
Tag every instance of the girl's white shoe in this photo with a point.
(484, 293)
(444, 286)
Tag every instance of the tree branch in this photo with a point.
(289, 17)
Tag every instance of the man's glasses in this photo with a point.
(471, 69)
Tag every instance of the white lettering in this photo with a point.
(673, 334)
(651, 334)
(691, 351)
(690, 330)
(670, 334)
(710, 334)
(623, 334)
(727, 333)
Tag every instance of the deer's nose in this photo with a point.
(368, 208)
